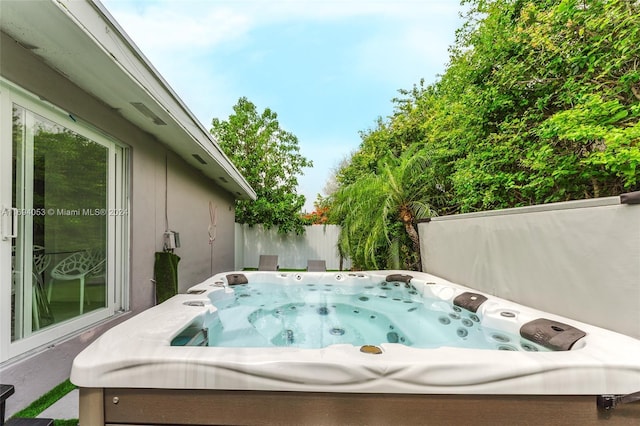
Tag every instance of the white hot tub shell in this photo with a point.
(137, 354)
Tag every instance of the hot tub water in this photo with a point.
(318, 314)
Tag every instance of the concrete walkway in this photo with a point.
(65, 408)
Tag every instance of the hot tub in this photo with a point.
(209, 357)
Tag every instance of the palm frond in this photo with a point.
(369, 209)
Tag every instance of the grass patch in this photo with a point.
(47, 400)
(70, 422)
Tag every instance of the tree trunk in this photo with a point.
(415, 239)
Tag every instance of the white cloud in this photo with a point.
(194, 24)
(174, 25)
(415, 34)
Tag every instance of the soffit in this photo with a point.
(83, 42)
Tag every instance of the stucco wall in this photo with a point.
(579, 259)
(156, 175)
(189, 201)
(188, 193)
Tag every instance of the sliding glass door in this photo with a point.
(65, 225)
(60, 200)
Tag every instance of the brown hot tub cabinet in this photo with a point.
(216, 407)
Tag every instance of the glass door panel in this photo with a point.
(60, 193)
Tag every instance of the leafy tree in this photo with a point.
(270, 159)
(540, 102)
(378, 213)
(557, 94)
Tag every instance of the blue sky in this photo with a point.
(327, 68)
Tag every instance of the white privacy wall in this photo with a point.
(319, 242)
(578, 259)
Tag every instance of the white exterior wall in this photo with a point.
(318, 243)
(578, 259)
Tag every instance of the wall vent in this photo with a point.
(200, 160)
(144, 110)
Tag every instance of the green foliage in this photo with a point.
(594, 147)
(557, 86)
(269, 159)
(540, 102)
(61, 160)
(378, 212)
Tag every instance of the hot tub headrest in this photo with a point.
(630, 198)
(234, 279)
(469, 301)
(399, 278)
(551, 334)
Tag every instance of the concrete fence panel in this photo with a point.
(579, 259)
(318, 243)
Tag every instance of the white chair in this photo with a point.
(80, 266)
